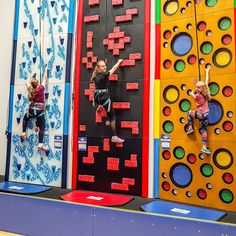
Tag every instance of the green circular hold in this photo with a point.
(207, 170)
(226, 196)
(206, 48)
(185, 105)
(214, 88)
(168, 127)
(211, 3)
(179, 152)
(179, 65)
(224, 23)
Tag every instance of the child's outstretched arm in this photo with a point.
(115, 67)
(45, 76)
(207, 74)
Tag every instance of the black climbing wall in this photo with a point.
(112, 30)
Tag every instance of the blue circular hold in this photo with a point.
(215, 112)
(181, 44)
(181, 175)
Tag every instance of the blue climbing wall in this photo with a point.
(42, 35)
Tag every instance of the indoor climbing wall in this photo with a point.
(42, 35)
(112, 30)
(192, 35)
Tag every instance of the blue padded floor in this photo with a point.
(14, 187)
(171, 208)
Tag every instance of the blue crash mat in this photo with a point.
(14, 187)
(171, 208)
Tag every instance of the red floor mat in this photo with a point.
(96, 198)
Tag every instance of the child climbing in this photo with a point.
(36, 107)
(100, 78)
(202, 97)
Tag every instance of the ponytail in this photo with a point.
(33, 85)
(95, 70)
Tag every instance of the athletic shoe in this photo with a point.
(206, 150)
(116, 139)
(190, 130)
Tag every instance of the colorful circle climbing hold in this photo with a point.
(206, 48)
(222, 57)
(179, 152)
(192, 59)
(171, 7)
(166, 186)
(228, 126)
(201, 25)
(181, 44)
(167, 64)
(184, 105)
(216, 112)
(228, 178)
(206, 170)
(181, 175)
(226, 196)
(224, 23)
(214, 88)
(168, 126)
(211, 3)
(167, 34)
(202, 194)
(227, 91)
(223, 158)
(171, 94)
(166, 111)
(191, 158)
(166, 155)
(226, 39)
(179, 65)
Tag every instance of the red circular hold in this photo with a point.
(198, 1)
(166, 186)
(201, 25)
(226, 39)
(166, 155)
(228, 126)
(192, 59)
(167, 34)
(202, 194)
(191, 158)
(167, 64)
(227, 91)
(228, 178)
(167, 111)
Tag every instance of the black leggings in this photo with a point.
(40, 121)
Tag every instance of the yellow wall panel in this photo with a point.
(216, 40)
(175, 10)
(179, 49)
(185, 177)
(209, 6)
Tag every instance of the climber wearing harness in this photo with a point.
(36, 107)
(100, 78)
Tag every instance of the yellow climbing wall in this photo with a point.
(194, 34)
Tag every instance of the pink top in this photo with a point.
(201, 102)
(39, 94)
